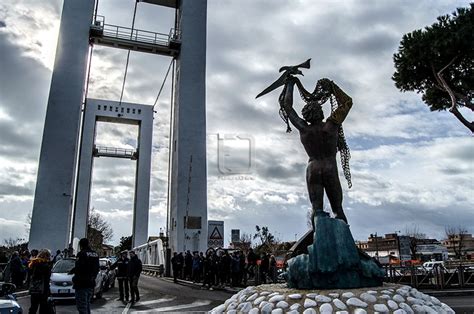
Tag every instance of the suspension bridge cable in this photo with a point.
(128, 54)
(163, 83)
(91, 49)
(170, 147)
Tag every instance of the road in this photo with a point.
(460, 304)
(162, 295)
(156, 295)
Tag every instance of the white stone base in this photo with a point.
(277, 298)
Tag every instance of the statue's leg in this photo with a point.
(332, 185)
(315, 187)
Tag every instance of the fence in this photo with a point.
(153, 270)
(439, 277)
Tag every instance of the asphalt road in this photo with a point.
(156, 295)
(162, 295)
(460, 304)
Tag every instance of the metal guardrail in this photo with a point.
(439, 277)
(125, 33)
(153, 270)
(114, 152)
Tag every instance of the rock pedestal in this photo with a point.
(333, 260)
(277, 298)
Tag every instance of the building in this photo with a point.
(391, 247)
(106, 251)
(378, 246)
(432, 252)
(460, 245)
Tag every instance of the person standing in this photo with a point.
(16, 270)
(235, 269)
(196, 267)
(85, 271)
(58, 256)
(134, 271)
(188, 265)
(174, 265)
(273, 269)
(122, 275)
(264, 265)
(40, 274)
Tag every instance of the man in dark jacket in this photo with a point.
(85, 271)
(252, 262)
(174, 265)
(16, 270)
(134, 270)
(122, 274)
(188, 265)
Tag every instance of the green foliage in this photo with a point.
(99, 230)
(424, 52)
(125, 244)
(267, 240)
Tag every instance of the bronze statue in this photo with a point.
(321, 139)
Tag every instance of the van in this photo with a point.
(429, 266)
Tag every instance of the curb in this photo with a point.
(198, 285)
(21, 294)
(449, 293)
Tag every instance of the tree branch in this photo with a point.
(454, 110)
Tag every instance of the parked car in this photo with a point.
(8, 303)
(108, 274)
(428, 267)
(61, 281)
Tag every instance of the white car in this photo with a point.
(61, 281)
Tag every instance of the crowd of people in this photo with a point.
(18, 270)
(218, 268)
(214, 269)
(32, 271)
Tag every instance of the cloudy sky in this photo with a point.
(410, 167)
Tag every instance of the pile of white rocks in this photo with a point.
(278, 299)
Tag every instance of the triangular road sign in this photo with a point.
(215, 235)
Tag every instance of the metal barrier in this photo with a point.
(153, 270)
(101, 28)
(439, 277)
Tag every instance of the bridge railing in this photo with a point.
(439, 277)
(153, 270)
(99, 27)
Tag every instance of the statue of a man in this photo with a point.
(320, 139)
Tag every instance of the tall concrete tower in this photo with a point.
(52, 207)
(59, 186)
(188, 180)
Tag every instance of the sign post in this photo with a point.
(215, 237)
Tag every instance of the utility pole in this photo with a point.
(376, 245)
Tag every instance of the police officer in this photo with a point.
(122, 274)
(85, 271)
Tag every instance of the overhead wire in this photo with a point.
(163, 83)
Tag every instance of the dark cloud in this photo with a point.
(350, 42)
(7, 189)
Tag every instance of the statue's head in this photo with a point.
(313, 112)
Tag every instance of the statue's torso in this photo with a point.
(320, 141)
